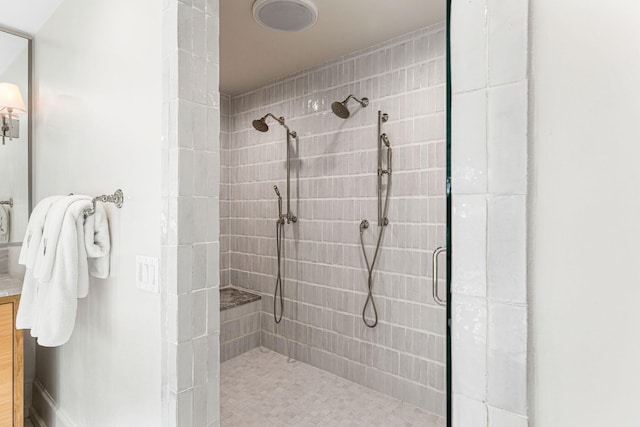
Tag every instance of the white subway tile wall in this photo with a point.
(489, 185)
(191, 216)
(333, 187)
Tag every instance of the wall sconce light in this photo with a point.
(11, 104)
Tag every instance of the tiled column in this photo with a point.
(190, 217)
(489, 183)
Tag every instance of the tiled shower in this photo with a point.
(217, 215)
(333, 188)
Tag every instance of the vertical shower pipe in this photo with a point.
(382, 117)
(382, 219)
(379, 168)
(280, 225)
(290, 216)
(261, 126)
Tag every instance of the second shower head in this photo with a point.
(340, 108)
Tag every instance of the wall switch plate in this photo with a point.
(147, 274)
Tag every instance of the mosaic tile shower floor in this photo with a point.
(259, 388)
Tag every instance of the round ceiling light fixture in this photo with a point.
(285, 15)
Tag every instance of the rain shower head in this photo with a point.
(261, 125)
(340, 108)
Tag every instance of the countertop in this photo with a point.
(10, 286)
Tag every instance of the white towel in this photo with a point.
(45, 258)
(28, 253)
(57, 300)
(82, 247)
(26, 308)
(33, 235)
(4, 224)
(98, 243)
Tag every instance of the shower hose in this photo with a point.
(370, 266)
(278, 289)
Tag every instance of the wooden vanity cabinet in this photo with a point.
(11, 364)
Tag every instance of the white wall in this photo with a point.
(98, 128)
(585, 204)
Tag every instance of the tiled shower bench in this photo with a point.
(239, 322)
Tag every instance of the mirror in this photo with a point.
(15, 136)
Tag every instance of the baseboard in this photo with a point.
(45, 410)
(28, 397)
(36, 419)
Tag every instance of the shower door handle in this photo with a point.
(436, 298)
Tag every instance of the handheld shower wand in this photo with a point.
(281, 217)
(383, 221)
(385, 140)
(279, 243)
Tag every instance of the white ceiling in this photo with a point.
(11, 46)
(251, 55)
(26, 15)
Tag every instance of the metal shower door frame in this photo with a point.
(449, 367)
